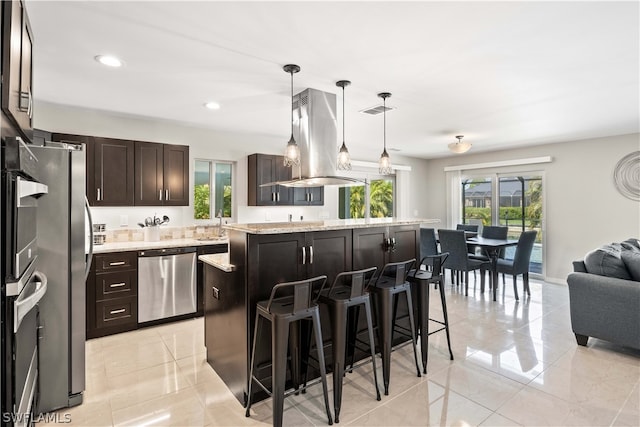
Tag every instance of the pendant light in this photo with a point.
(384, 165)
(344, 159)
(459, 147)
(292, 152)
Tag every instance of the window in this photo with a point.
(518, 206)
(212, 189)
(351, 199)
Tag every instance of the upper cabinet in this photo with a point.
(176, 175)
(161, 174)
(263, 169)
(133, 173)
(110, 172)
(17, 43)
(309, 196)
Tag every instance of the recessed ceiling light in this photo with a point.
(212, 105)
(109, 60)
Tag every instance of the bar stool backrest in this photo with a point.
(357, 281)
(301, 291)
(396, 270)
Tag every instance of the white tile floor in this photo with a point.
(516, 363)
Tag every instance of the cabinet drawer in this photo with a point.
(116, 261)
(119, 311)
(116, 284)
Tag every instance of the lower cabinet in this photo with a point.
(204, 250)
(112, 294)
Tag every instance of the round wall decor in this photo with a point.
(626, 176)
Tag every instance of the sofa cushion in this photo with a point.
(631, 244)
(607, 261)
(631, 260)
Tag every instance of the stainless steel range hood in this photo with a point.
(315, 131)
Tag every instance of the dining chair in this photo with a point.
(454, 242)
(467, 227)
(492, 232)
(428, 246)
(520, 263)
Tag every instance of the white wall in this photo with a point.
(583, 208)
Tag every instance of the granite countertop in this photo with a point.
(340, 224)
(160, 244)
(219, 261)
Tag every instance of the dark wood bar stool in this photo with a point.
(281, 311)
(422, 279)
(391, 283)
(348, 290)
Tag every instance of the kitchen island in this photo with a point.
(264, 254)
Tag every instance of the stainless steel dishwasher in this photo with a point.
(166, 283)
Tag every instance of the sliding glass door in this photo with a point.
(518, 205)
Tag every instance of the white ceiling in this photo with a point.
(504, 74)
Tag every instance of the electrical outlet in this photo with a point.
(124, 220)
(216, 293)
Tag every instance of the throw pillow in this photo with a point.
(631, 259)
(607, 261)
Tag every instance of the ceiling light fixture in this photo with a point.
(459, 147)
(212, 105)
(109, 60)
(344, 159)
(384, 165)
(292, 152)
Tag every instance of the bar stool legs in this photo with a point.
(386, 322)
(283, 312)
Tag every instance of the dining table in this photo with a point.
(492, 248)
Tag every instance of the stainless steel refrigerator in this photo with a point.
(61, 252)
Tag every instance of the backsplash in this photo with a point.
(166, 233)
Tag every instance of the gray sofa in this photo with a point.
(604, 295)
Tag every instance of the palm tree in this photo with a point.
(381, 198)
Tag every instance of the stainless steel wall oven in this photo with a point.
(23, 286)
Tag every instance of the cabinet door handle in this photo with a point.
(310, 254)
(117, 285)
(116, 263)
(98, 195)
(273, 196)
(160, 194)
(118, 311)
(167, 195)
(311, 197)
(304, 255)
(277, 196)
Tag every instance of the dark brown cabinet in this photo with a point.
(377, 246)
(263, 169)
(133, 173)
(204, 250)
(17, 77)
(310, 196)
(112, 289)
(149, 174)
(162, 174)
(176, 175)
(110, 172)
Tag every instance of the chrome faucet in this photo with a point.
(220, 230)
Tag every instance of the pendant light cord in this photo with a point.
(384, 123)
(291, 102)
(343, 114)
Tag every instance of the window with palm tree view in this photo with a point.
(211, 189)
(351, 203)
